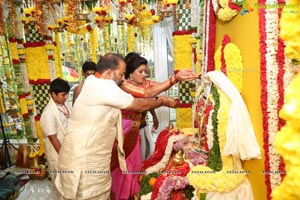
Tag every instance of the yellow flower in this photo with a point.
(183, 51)
(155, 18)
(23, 105)
(290, 30)
(287, 142)
(225, 13)
(129, 17)
(183, 118)
(189, 131)
(166, 2)
(37, 68)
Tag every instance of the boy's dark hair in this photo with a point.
(88, 65)
(59, 85)
(134, 61)
(109, 61)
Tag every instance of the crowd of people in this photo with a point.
(93, 147)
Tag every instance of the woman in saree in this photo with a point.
(126, 185)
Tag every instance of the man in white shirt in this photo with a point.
(85, 156)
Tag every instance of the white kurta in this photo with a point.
(84, 159)
(53, 122)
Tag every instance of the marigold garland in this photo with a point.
(130, 35)
(289, 29)
(228, 59)
(227, 10)
(57, 55)
(287, 142)
(183, 51)
(37, 68)
(93, 44)
(183, 119)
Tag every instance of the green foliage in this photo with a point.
(214, 160)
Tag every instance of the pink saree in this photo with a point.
(126, 185)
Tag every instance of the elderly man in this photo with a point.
(85, 156)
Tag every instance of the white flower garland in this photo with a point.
(146, 196)
(164, 161)
(272, 85)
(205, 38)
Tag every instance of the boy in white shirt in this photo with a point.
(54, 122)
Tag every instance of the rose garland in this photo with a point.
(209, 38)
(272, 74)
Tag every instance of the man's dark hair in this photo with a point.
(134, 61)
(87, 65)
(109, 61)
(59, 85)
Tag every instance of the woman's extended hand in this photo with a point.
(185, 75)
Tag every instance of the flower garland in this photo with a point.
(287, 143)
(289, 32)
(167, 154)
(28, 118)
(145, 186)
(198, 56)
(228, 59)
(209, 38)
(57, 55)
(169, 184)
(42, 72)
(130, 35)
(272, 75)
(183, 52)
(227, 10)
(214, 160)
(93, 44)
(280, 80)
(49, 47)
(204, 178)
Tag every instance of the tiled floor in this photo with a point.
(33, 189)
(38, 190)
